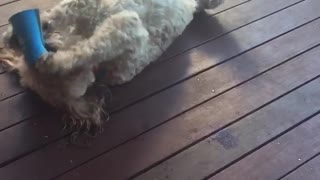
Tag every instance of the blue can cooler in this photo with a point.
(27, 27)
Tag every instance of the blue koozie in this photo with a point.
(26, 25)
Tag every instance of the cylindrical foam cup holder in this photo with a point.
(27, 27)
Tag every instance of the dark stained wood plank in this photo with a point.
(122, 137)
(278, 157)
(211, 54)
(233, 142)
(195, 124)
(227, 4)
(49, 122)
(225, 22)
(13, 91)
(226, 108)
(204, 63)
(309, 171)
(4, 2)
(9, 86)
(26, 104)
(12, 8)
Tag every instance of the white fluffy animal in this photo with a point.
(120, 37)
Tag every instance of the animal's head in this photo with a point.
(77, 93)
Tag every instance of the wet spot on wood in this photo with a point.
(227, 140)
(194, 130)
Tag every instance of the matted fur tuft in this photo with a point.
(87, 114)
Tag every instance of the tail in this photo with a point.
(208, 4)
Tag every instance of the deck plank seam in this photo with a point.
(5, 163)
(222, 128)
(264, 144)
(228, 32)
(300, 165)
(219, 129)
(13, 1)
(13, 95)
(229, 8)
(257, 75)
(209, 40)
(208, 68)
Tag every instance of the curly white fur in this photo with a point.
(121, 36)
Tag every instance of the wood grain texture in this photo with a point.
(278, 157)
(226, 5)
(9, 86)
(227, 145)
(215, 103)
(198, 122)
(129, 130)
(198, 59)
(4, 2)
(16, 142)
(235, 18)
(212, 53)
(309, 171)
(26, 104)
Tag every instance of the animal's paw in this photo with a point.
(54, 41)
(55, 63)
(44, 63)
(49, 64)
(8, 60)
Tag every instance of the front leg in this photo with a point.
(10, 61)
(120, 33)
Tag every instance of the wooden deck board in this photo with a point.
(9, 86)
(198, 123)
(120, 124)
(203, 62)
(222, 148)
(4, 2)
(235, 18)
(226, 6)
(231, 62)
(9, 107)
(309, 171)
(219, 76)
(218, 51)
(278, 157)
(70, 154)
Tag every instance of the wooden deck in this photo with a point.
(236, 97)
